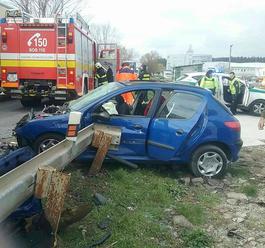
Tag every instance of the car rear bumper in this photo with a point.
(235, 149)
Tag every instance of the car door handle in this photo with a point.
(179, 132)
(137, 126)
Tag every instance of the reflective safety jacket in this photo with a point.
(101, 76)
(143, 75)
(235, 86)
(125, 74)
(209, 83)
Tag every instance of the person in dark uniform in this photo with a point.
(235, 90)
(101, 74)
(143, 74)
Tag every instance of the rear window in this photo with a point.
(180, 106)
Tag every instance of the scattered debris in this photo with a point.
(181, 221)
(197, 180)
(100, 199)
(104, 224)
(185, 180)
(232, 233)
(101, 240)
(72, 215)
(237, 196)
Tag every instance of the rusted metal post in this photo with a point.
(103, 148)
(52, 184)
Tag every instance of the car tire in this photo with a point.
(48, 140)
(257, 107)
(209, 161)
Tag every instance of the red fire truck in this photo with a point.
(50, 58)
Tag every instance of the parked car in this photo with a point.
(166, 122)
(252, 99)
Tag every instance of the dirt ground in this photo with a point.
(239, 218)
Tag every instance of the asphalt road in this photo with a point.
(11, 111)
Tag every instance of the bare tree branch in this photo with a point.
(48, 8)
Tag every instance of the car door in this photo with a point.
(176, 120)
(134, 126)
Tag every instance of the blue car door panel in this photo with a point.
(173, 124)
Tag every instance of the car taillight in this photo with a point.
(235, 125)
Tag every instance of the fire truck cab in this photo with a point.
(45, 58)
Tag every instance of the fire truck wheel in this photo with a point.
(30, 102)
(46, 141)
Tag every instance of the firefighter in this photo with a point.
(235, 90)
(109, 72)
(209, 82)
(101, 75)
(144, 75)
(126, 74)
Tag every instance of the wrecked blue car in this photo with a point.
(160, 122)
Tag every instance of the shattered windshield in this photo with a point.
(93, 95)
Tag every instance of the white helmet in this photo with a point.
(98, 65)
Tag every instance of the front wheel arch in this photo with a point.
(52, 135)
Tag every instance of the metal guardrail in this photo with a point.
(18, 185)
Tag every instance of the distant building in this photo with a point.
(189, 58)
(243, 70)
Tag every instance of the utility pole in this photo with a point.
(230, 54)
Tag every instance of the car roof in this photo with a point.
(166, 85)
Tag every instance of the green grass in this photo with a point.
(207, 198)
(250, 190)
(196, 238)
(136, 207)
(194, 212)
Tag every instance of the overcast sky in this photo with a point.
(169, 26)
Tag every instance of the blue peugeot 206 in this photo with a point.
(160, 122)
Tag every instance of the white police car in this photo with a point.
(252, 99)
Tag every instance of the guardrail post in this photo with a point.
(52, 184)
(101, 141)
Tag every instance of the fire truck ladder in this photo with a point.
(61, 53)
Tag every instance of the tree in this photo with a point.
(48, 8)
(127, 54)
(104, 33)
(154, 62)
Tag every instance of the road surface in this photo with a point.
(11, 112)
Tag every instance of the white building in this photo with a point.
(243, 70)
(189, 58)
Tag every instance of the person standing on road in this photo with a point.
(234, 89)
(101, 75)
(125, 73)
(109, 73)
(209, 82)
(261, 123)
(143, 74)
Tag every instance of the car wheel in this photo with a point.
(208, 161)
(46, 141)
(257, 107)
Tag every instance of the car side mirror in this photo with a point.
(102, 116)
